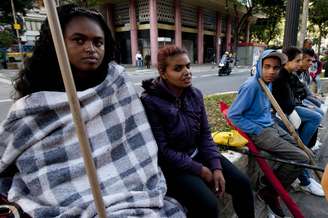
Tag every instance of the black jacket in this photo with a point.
(288, 90)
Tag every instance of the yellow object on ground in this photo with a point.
(232, 138)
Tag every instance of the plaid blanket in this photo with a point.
(38, 136)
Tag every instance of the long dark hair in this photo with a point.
(41, 72)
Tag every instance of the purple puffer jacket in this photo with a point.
(180, 126)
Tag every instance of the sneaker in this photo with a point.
(270, 214)
(272, 201)
(313, 188)
(320, 127)
(316, 146)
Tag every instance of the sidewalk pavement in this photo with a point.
(6, 75)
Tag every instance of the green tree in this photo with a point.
(318, 16)
(244, 9)
(6, 39)
(6, 17)
(267, 29)
(21, 6)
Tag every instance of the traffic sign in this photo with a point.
(17, 26)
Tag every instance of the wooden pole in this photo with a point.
(66, 72)
(288, 125)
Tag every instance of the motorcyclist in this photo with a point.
(224, 66)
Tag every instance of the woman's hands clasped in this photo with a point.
(216, 179)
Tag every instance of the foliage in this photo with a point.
(21, 6)
(249, 8)
(215, 118)
(318, 15)
(8, 36)
(267, 29)
(6, 39)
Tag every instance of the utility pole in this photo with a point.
(291, 25)
(303, 31)
(16, 25)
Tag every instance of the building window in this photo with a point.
(34, 28)
(209, 20)
(28, 25)
(121, 14)
(38, 25)
(165, 11)
(188, 14)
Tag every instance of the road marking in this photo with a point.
(207, 75)
(5, 100)
(137, 84)
(7, 81)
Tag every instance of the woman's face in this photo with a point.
(177, 74)
(85, 42)
(295, 64)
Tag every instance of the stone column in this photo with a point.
(178, 32)
(200, 36)
(153, 31)
(217, 36)
(228, 33)
(133, 30)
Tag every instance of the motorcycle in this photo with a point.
(253, 70)
(225, 69)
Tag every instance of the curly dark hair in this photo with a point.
(41, 72)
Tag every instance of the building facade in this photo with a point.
(32, 25)
(204, 28)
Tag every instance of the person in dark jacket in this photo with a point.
(195, 172)
(283, 89)
(308, 56)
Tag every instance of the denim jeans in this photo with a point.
(312, 99)
(310, 122)
(317, 81)
(139, 63)
(315, 103)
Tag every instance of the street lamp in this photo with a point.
(16, 25)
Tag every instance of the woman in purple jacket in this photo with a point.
(196, 173)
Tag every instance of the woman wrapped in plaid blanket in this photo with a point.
(41, 169)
